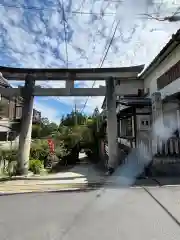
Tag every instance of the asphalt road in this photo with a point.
(121, 213)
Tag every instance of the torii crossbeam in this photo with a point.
(126, 76)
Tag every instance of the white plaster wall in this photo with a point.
(10, 145)
(129, 87)
(151, 80)
(171, 88)
(170, 113)
(170, 107)
(139, 118)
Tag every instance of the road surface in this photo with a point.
(119, 213)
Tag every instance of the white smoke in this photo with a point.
(140, 157)
(164, 127)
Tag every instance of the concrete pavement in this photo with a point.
(169, 197)
(119, 213)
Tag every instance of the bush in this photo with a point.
(39, 149)
(35, 166)
(9, 154)
(60, 150)
(8, 160)
(12, 168)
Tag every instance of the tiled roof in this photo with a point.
(165, 51)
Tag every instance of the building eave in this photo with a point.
(166, 50)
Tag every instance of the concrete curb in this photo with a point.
(84, 188)
(67, 190)
(74, 188)
(39, 178)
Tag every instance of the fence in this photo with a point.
(170, 148)
(123, 143)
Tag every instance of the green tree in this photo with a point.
(45, 121)
(72, 119)
(36, 131)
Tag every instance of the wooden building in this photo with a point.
(11, 113)
(158, 102)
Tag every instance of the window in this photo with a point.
(145, 123)
(129, 127)
(3, 136)
(118, 82)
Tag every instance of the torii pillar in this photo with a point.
(26, 125)
(111, 122)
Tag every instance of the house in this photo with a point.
(11, 113)
(138, 114)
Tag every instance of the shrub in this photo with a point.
(60, 150)
(9, 154)
(12, 168)
(36, 166)
(39, 149)
(8, 161)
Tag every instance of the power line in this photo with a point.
(103, 59)
(30, 7)
(80, 7)
(100, 63)
(172, 18)
(133, 31)
(176, 12)
(65, 33)
(54, 8)
(93, 13)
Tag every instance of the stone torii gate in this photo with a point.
(126, 76)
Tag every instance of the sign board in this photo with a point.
(169, 76)
(51, 145)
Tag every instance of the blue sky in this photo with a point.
(32, 35)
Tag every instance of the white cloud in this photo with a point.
(52, 113)
(35, 38)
